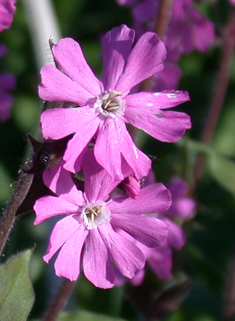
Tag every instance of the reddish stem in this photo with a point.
(60, 300)
(221, 86)
(8, 217)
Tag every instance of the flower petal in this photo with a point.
(116, 45)
(60, 122)
(58, 179)
(127, 256)
(153, 198)
(148, 230)
(69, 57)
(160, 261)
(167, 126)
(56, 86)
(62, 231)
(96, 261)
(107, 148)
(49, 206)
(138, 161)
(98, 183)
(67, 263)
(145, 59)
(176, 236)
(154, 102)
(7, 10)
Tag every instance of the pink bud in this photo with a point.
(131, 186)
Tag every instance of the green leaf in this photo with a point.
(195, 146)
(85, 316)
(223, 171)
(16, 292)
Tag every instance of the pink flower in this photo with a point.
(167, 78)
(106, 107)
(188, 28)
(127, 2)
(7, 83)
(183, 207)
(160, 261)
(7, 10)
(92, 233)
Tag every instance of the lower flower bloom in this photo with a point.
(93, 234)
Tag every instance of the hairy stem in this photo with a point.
(60, 300)
(8, 217)
(220, 90)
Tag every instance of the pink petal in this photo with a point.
(69, 56)
(182, 206)
(112, 143)
(168, 78)
(176, 237)
(56, 86)
(160, 261)
(60, 122)
(68, 261)
(73, 156)
(116, 45)
(96, 261)
(49, 206)
(154, 102)
(138, 279)
(6, 101)
(98, 183)
(148, 230)
(142, 63)
(126, 255)
(58, 179)
(7, 10)
(107, 148)
(63, 230)
(138, 161)
(152, 199)
(167, 126)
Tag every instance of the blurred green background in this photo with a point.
(201, 268)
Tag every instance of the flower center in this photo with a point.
(110, 104)
(95, 214)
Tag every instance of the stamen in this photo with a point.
(110, 104)
(95, 215)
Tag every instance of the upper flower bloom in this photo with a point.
(97, 232)
(7, 10)
(103, 108)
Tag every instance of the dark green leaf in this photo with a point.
(16, 292)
